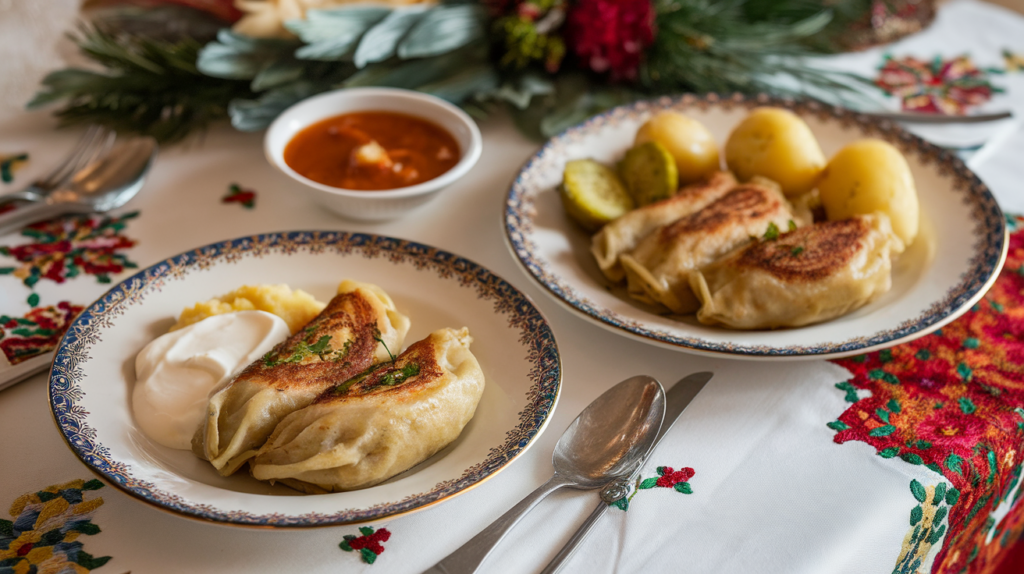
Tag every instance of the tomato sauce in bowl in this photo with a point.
(372, 151)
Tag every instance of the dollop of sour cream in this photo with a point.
(176, 373)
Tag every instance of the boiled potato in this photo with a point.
(777, 144)
(689, 142)
(871, 175)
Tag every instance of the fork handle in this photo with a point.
(26, 214)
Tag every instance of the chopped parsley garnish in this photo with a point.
(377, 337)
(303, 349)
(792, 225)
(772, 233)
(399, 376)
(796, 251)
(395, 376)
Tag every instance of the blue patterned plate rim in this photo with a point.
(989, 251)
(65, 390)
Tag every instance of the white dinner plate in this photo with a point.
(93, 373)
(955, 259)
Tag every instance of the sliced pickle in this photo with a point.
(650, 173)
(592, 194)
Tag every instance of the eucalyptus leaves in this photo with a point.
(435, 49)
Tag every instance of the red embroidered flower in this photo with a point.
(236, 194)
(669, 477)
(611, 35)
(368, 545)
(940, 86)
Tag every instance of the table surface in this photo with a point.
(773, 487)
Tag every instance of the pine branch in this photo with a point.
(148, 86)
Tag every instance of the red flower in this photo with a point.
(611, 35)
(670, 477)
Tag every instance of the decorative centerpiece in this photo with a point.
(170, 67)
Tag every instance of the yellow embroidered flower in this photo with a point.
(43, 537)
(265, 18)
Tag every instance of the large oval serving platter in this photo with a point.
(947, 270)
(93, 373)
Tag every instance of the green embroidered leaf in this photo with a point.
(916, 514)
(998, 307)
(937, 534)
(345, 546)
(885, 430)
(940, 513)
(923, 355)
(923, 444)
(918, 491)
(940, 493)
(876, 374)
(917, 533)
(365, 530)
(683, 487)
(964, 371)
(33, 300)
(889, 452)
(891, 379)
(444, 29)
(953, 462)
(6, 528)
(912, 458)
(971, 343)
(648, 483)
(993, 468)
(893, 405)
(51, 538)
(837, 425)
(883, 415)
(934, 467)
(859, 358)
(368, 555)
(621, 504)
(46, 496)
(885, 355)
(6, 270)
(87, 528)
(952, 496)
(381, 41)
(966, 405)
(85, 560)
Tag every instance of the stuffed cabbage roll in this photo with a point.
(810, 275)
(348, 336)
(624, 233)
(387, 419)
(658, 270)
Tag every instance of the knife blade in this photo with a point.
(676, 400)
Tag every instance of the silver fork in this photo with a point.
(93, 143)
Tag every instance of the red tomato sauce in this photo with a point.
(372, 151)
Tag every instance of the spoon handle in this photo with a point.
(468, 557)
(26, 214)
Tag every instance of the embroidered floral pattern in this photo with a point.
(236, 194)
(667, 478)
(38, 332)
(1014, 62)
(9, 164)
(369, 544)
(66, 247)
(44, 535)
(940, 86)
(954, 401)
(926, 526)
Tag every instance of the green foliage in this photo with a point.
(149, 86)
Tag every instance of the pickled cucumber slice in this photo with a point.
(650, 173)
(592, 194)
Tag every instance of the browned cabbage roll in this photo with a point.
(389, 418)
(624, 233)
(658, 269)
(348, 336)
(810, 275)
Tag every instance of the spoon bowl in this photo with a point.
(611, 436)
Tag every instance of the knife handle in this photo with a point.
(577, 538)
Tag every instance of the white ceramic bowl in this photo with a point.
(377, 205)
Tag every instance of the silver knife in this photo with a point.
(676, 400)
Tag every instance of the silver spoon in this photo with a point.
(608, 440)
(104, 184)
